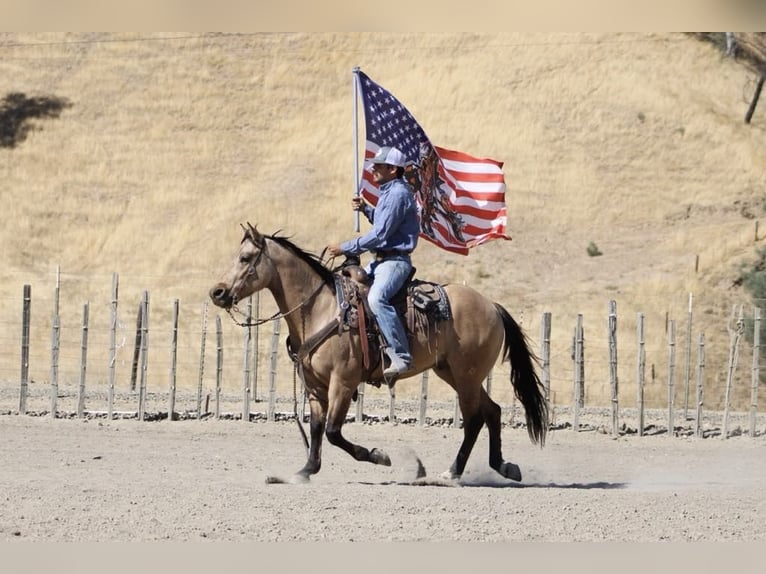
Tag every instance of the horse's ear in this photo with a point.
(253, 231)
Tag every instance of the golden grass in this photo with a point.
(634, 142)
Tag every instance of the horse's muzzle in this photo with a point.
(221, 296)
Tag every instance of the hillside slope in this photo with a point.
(633, 142)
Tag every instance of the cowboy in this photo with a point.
(392, 238)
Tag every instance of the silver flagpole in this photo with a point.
(356, 143)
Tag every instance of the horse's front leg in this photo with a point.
(339, 401)
(318, 414)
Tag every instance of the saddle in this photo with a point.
(420, 305)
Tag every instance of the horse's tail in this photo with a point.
(526, 384)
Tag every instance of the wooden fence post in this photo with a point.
(219, 365)
(112, 347)
(641, 374)
(83, 362)
(488, 383)
(137, 347)
(201, 361)
(756, 368)
(246, 364)
(256, 353)
(545, 353)
(25, 328)
(687, 372)
(613, 380)
(392, 404)
(700, 384)
(456, 416)
(577, 401)
(173, 362)
(55, 345)
(671, 375)
(423, 398)
(270, 414)
(360, 402)
(144, 355)
(735, 335)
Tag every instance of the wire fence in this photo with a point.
(152, 357)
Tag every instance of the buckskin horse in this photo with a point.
(460, 350)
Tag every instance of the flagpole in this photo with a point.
(356, 142)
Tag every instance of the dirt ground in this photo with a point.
(97, 480)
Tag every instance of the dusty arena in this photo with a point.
(91, 479)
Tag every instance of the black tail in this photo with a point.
(526, 384)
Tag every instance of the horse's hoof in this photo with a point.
(449, 475)
(511, 471)
(299, 479)
(377, 456)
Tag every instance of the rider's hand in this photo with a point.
(334, 249)
(357, 203)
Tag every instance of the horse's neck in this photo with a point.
(300, 294)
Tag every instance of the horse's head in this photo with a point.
(251, 271)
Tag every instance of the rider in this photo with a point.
(393, 237)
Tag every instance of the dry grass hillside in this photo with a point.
(633, 142)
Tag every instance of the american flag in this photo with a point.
(461, 197)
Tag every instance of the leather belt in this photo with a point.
(384, 253)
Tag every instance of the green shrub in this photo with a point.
(593, 250)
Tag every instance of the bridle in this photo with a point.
(251, 271)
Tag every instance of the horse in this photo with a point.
(461, 351)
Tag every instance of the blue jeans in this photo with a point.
(388, 276)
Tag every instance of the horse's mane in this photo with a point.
(311, 259)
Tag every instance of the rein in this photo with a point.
(251, 271)
(277, 315)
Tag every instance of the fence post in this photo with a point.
(671, 375)
(578, 384)
(219, 365)
(545, 339)
(612, 327)
(270, 415)
(55, 345)
(173, 362)
(700, 384)
(734, 337)
(456, 416)
(488, 383)
(83, 362)
(256, 353)
(246, 364)
(144, 355)
(392, 404)
(423, 398)
(756, 370)
(641, 366)
(687, 372)
(25, 322)
(360, 402)
(112, 347)
(137, 347)
(201, 361)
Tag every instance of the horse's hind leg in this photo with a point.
(492, 412)
(473, 418)
(471, 427)
(340, 399)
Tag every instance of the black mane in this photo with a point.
(311, 259)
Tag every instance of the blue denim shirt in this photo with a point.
(395, 221)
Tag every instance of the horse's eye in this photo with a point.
(244, 259)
